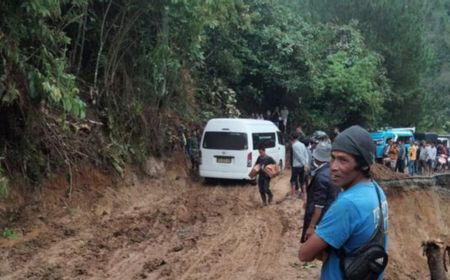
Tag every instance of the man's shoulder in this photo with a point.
(299, 145)
(323, 173)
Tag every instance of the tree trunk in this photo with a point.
(432, 249)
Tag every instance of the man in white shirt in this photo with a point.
(300, 160)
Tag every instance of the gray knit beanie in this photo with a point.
(357, 141)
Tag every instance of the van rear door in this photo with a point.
(269, 140)
(225, 151)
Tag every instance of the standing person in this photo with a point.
(183, 139)
(307, 178)
(320, 191)
(423, 158)
(300, 133)
(268, 115)
(299, 164)
(419, 147)
(400, 164)
(412, 159)
(433, 156)
(386, 155)
(263, 179)
(275, 118)
(194, 149)
(353, 218)
(393, 155)
(284, 118)
(336, 131)
(429, 162)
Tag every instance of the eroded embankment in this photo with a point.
(419, 210)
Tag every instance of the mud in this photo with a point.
(177, 228)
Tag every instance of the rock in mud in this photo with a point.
(153, 167)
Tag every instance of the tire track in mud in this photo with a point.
(250, 246)
(215, 243)
(172, 232)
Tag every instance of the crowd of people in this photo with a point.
(416, 158)
(277, 116)
(345, 209)
(344, 206)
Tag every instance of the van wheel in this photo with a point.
(280, 164)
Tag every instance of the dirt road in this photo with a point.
(161, 229)
(175, 228)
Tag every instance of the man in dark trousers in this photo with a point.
(300, 164)
(352, 218)
(263, 179)
(320, 192)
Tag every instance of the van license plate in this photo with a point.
(223, 160)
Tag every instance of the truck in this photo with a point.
(381, 139)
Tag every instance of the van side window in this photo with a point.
(268, 139)
(280, 138)
(219, 140)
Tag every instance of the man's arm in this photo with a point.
(312, 249)
(304, 158)
(314, 220)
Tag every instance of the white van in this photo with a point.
(229, 147)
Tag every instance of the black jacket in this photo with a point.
(319, 192)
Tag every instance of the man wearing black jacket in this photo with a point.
(320, 192)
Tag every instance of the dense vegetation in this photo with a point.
(110, 81)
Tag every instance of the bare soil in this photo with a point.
(174, 227)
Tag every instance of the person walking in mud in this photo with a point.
(320, 192)
(263, 179)
(353, 217)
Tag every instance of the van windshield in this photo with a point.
(225, 140)
(267, 138)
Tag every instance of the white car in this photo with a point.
(229, 147)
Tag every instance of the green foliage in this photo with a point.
(33, 50)
(9, 234)
(323, 73)
(4, 190)
(142, 67)
(395, 30)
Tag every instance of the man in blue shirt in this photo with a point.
(352, 219)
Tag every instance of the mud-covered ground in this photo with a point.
(175, 228)
(166, 228)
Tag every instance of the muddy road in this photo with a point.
(175, 228)
(161, 229)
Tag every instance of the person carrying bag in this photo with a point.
(351, 239)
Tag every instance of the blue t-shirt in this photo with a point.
(350, 222)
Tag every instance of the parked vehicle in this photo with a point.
(381, 139)
(445, 140)
(426, 136)
(229, 147)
